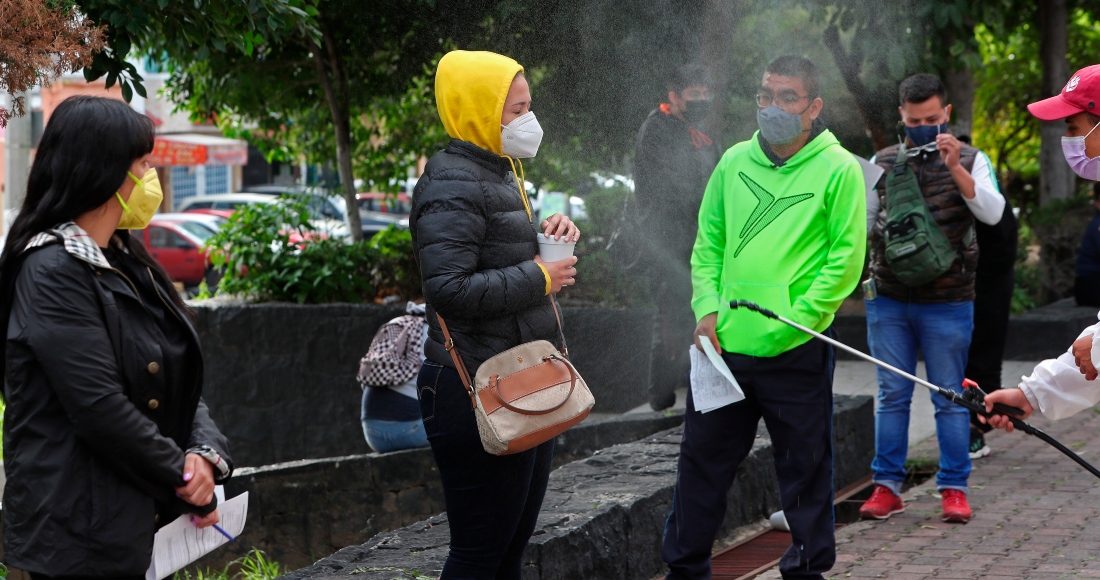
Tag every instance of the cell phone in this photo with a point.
(870, 291)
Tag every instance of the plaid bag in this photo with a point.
(394, 355)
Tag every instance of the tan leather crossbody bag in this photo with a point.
(525, 395)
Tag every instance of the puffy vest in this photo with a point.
(949, 209)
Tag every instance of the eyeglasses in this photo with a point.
(784, 101)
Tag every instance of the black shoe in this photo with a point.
(660, 402)
(978, 448)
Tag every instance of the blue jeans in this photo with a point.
(386, 436)
(895, 330)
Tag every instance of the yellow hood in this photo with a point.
(470, 90)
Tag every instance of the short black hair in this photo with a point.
(921, 87)
(799, 67)
(688, 75)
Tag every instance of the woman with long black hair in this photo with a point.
(105, 432)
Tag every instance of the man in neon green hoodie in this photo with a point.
(782, 224)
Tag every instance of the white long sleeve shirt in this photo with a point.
(987, 206)
(1057, 388)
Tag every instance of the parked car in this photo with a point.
(325, 213)
(177, 245)
(378, 211)
(212, 222)
(225, 201)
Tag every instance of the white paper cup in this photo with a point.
(552, 250)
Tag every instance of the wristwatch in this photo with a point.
(208, 453)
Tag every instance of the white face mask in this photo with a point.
(1074, 150)
(521, 137)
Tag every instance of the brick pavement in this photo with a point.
(1036, 516)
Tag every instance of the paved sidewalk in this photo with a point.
(1036, 516)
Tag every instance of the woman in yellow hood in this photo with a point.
(476, 245)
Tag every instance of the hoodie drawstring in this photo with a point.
(699, 138)
(521, 178)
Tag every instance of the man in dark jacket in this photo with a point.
(1087, 285)
(994, 284)
(673, 161)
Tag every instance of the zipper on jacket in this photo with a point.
(156, 288)
(130, 282)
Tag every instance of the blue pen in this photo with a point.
(224, 533)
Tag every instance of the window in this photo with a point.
(200, 205)
(165, 239)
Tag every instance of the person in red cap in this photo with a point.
(1063, 386)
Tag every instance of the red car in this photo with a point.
(178, 247)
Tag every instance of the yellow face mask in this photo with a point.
(144, 201)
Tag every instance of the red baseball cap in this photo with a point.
(1081, 94)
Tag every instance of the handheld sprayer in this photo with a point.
(972, 397)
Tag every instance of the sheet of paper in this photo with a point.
(180, 542)
(871, 172)
(712, 384)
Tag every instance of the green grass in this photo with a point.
(252, 566)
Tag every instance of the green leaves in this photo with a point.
(271, 252)
(186, 32)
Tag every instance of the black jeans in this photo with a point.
(992, 306)
(492, 502)
(793, 393)
(1086, 290)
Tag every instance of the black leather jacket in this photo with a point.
(90, 464)
(475, 245)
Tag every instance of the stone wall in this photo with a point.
(603, 516)
(280, 378)
(303, 510)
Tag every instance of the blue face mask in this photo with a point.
(922, 135)
(778, 126)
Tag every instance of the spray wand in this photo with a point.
(972, 397)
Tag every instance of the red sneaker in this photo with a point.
(883, 504)
(955, 507)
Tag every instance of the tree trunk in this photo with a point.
(1056, 180)
(721, 17)
(850, 63)
(960, 95)
(335, 89)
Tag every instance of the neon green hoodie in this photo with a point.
(791, 239)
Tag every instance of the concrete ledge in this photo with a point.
(603, 516)
(303, 510)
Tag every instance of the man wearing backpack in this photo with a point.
(920, 296)
(673, 161)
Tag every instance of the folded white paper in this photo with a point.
(181, 543)
(712, 384)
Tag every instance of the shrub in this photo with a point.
(396, 272)
(272, 252)
(598, 279)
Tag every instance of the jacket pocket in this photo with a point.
(751, 332)
(426, 383)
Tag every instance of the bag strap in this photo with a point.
(901, 160)
(463, 373)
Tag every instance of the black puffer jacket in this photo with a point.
(475, 245)
(90, 451)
